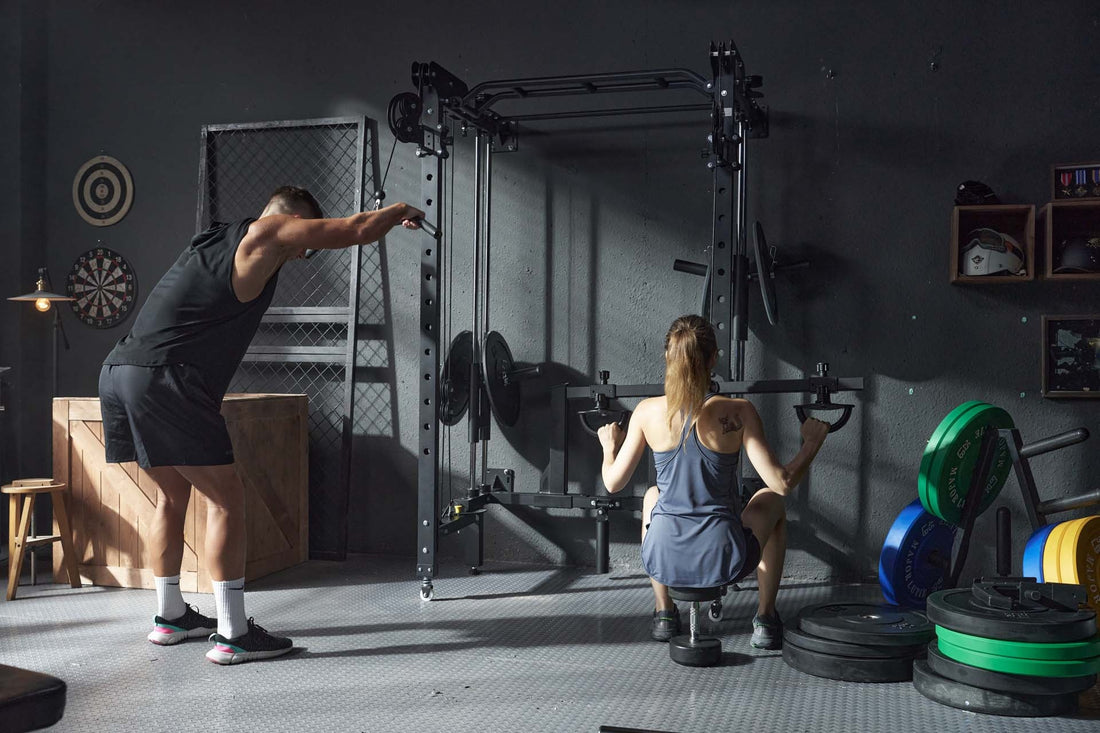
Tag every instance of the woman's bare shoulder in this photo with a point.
(727, 411)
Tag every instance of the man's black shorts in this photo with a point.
(161, 416)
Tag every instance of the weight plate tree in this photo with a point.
(103, 191)
(103, 287)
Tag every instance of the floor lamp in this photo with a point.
(43, 302)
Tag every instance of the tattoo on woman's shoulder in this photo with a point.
(729, 424)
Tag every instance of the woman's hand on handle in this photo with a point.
(622, 451)
(814, 431)
(611, 438)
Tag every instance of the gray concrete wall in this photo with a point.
(877, 112)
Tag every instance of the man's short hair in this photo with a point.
(294, 200)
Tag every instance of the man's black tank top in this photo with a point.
(193, 316)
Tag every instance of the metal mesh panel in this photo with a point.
(302, 345)
(375, 386)
(245, 163)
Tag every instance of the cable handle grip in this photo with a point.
(803, 413)
(619, 417)
(431, 229)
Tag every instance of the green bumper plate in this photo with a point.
(944, 483)
(1014, 665)
(1055, 651)
(932, 447)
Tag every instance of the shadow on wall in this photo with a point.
(529, 436)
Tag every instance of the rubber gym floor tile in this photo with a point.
(517, 648)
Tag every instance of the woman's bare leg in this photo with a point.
(766, 516)
(660, 591)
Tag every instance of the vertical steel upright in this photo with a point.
(725, 238)
(432, 155)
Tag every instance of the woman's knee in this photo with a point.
(765, 511)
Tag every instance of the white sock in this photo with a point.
(229, 600)
(170, 603)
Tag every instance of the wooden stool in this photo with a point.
(19, 524)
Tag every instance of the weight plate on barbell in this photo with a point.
(977, 700)
(1015, 665)
(932, 447)
(1054, 651)
(1079, 557)
(943, 488)
(764, 267)
(849, 669)
(497, 366)
(1015, 684)
(957, 609)
(454, 382)
(1033, 553)
(916, 557)
(866, 623)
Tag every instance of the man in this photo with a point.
(162, 385)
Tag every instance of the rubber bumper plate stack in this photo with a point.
(856, 642)
(1010, 647)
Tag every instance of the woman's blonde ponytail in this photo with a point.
(690, 348)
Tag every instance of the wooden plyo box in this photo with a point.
(111, 505)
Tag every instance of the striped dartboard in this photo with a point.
(104, 287)
(103, 191)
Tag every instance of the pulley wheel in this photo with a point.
(497, 366)
(454, 382)
(403, 116)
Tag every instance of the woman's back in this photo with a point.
(696, 479)
(695, 537)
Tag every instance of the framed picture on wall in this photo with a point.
(1071, 356)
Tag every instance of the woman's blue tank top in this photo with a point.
(695, 538)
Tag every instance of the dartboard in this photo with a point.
(104, 286)
(102, 191)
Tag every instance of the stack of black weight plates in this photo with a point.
(856, 642)
(1021, 661)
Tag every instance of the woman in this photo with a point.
(694, 533)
